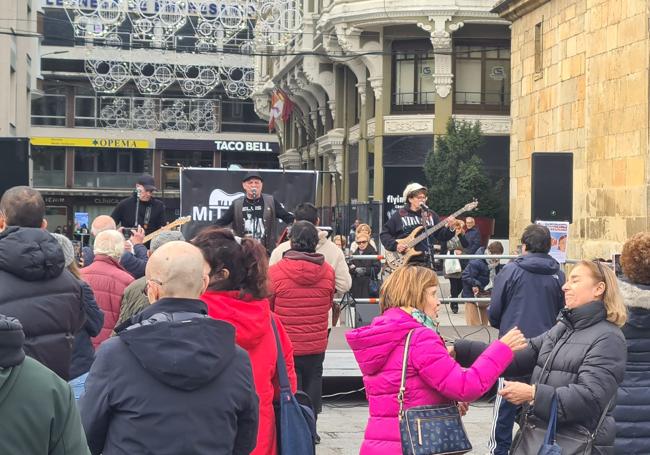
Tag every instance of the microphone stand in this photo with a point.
(137, 208)
(424, 218)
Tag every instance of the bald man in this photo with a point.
(134, 257)
(171, 363)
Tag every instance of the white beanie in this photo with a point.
(410, 189)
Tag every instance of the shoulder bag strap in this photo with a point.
(281, 366)
(602, 417)
(550, 437)
(402, 385)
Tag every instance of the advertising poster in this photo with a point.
(559, 238)
(81, 222)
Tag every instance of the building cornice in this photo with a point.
(515, 9)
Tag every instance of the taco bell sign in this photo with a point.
(247, 146)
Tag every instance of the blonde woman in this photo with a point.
(364, 230)
(580, 360)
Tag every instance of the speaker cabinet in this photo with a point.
(552, 187)
(14, 156)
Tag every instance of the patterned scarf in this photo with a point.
(425, 320)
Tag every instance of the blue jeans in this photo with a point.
(504, 416)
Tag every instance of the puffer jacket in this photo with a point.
(302, 293)
(586, 367)
(527, 294)
(108, 280)
(632, 411)
(254, 332)
(36, 289)
(433, 376)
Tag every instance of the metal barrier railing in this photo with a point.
(379, 257)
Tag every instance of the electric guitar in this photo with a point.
(168, 227)
(395, 260)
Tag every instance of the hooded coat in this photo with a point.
(432, 377)
(254, 332)
(38, 414)
(527, 294)
(632, 411)
(108, 281)
(171, 387)
(302, 293)
(37, 290)
(586, 362)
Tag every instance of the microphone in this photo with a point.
(254, 191)
(424, 207)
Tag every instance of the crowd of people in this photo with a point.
(172, 347)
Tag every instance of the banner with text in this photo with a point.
(206, 194)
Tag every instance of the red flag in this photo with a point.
(281, 108)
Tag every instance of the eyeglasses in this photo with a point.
(363, 242)
(145, 290)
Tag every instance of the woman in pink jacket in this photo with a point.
(409, 301)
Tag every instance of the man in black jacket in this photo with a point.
(35, 286)
(255, 213)
(141, 209)
(172, 381)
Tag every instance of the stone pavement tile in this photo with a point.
(341, 428)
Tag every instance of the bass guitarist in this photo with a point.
(408, 218)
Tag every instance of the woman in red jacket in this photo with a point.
(237, 294)
(302, 293)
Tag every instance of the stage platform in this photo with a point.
(340, 362)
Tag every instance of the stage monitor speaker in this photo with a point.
(14, 156)
(365, 313)
(552, 187)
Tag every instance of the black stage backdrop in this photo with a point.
(207, 193)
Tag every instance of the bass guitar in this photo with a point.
(395, 260)
(168, 227)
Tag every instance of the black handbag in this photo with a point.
(430, 430)
(536, 437)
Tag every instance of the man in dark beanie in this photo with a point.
(38, 413)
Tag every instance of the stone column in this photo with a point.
(362, 168)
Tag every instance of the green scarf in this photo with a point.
(425, 320)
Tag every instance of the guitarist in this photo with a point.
(408, 218)
(141, 209)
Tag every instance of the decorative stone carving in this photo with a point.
(332, 106)
(371, 128)
(290, 159)
(443, 78)
(354, 134)
(491, 125)
(440, 31)
(377, 84)
(262, 105)
(323, 115)
(408, 124)
(361, 87)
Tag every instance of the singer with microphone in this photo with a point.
(255, 214)
(415, 213)
(141, 209)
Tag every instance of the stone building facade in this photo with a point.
(580, 85)
(373, 82)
